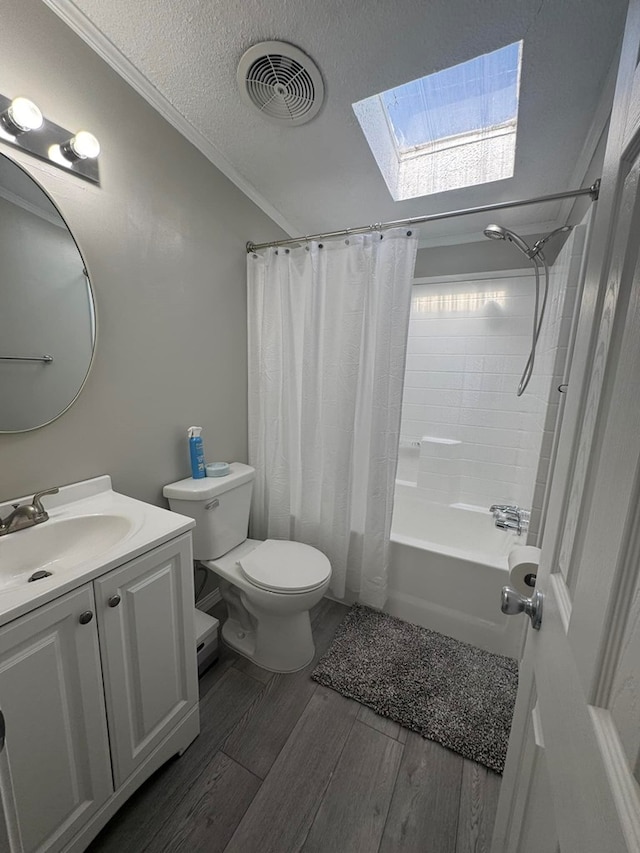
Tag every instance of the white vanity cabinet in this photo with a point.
(55, 771)
(145, 624)
(97, 689)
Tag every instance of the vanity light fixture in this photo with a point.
(21, 116)
(23, 126)
(82, 146)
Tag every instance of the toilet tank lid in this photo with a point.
(209, 487)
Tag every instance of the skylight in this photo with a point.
(452, 129)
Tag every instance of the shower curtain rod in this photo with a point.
(592, 191)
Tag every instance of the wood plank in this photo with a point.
(152, 806)
(207, 817)
(424, 810)
(258, 738)
(264, 676)
(478, 803)
(354, 808)
(283, 810)
(380, 724)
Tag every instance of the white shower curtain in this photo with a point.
(327, 342)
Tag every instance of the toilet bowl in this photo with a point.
(268, 587)
(268, 614)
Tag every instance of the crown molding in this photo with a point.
(68, 12)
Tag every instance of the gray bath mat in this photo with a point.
(447, 691)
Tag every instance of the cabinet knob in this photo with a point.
(114, 600)
(85, 617)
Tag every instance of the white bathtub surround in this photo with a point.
(408, 459)
(439, 469)
(327, 342)
(469, 338)
(448, 565)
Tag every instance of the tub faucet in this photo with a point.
(509, 524)
(511, 518)
(26, 515)
(496, 508)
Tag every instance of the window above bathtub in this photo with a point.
(455, 128)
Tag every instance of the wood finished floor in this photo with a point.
(283, 764)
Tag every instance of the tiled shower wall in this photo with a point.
(469, 339)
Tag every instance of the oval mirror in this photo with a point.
(47, 311)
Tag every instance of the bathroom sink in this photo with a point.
(57, 546)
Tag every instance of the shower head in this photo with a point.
(497, 232)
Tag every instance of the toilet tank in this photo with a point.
(220, 507)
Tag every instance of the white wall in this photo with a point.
(163, 237)
(469, 338)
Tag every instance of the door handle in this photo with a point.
(513, 602)
(3, 730)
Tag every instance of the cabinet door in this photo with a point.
(54, 768)
(145, 622)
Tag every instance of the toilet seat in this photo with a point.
(286, 567)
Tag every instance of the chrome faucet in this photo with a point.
(26, 515)
(509, 517)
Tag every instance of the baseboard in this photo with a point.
(208, 601)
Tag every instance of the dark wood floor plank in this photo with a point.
(355, 805)
(279, 818)
(258, 738)
(207, 817)
(423, 816)
(478, 804)
(252, 669)
(151, 807)
(380, 724)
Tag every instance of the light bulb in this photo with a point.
(82, 146)
(22, 115)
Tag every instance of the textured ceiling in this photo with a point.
(322, 176)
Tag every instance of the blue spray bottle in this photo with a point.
(196, 453)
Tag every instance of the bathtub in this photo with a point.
(447, 567)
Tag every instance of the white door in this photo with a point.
(54, 768)
(573, 767)
(145, 622)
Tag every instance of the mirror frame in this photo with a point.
(94, 311)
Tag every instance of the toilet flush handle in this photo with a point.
(214, 504)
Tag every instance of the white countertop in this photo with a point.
(150, 527)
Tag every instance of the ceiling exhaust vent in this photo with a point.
(280, 81)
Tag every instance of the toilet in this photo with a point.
(268, 587)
